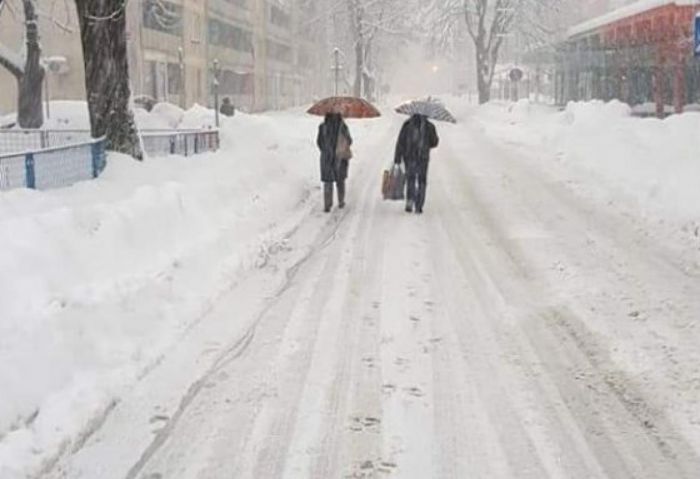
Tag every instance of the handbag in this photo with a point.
(342, 148)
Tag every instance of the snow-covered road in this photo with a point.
(515, 330)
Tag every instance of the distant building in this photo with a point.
(266, 57)
(640, 54)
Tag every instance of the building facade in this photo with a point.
(641, 54)
(257, 52)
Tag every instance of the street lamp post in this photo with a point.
(337, 67)
(51, 65)
(216, 71)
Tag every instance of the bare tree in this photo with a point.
(361, 25)
(489, 23)
(30, 75)
(103, 36)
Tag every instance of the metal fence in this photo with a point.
(44, 159)
(155, 142)
(16, 141)
(179, 142)
(53, 167)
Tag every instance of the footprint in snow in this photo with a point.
(389, 388)
(159, 418)
(414, 391)
(386, 467)
(364, 423)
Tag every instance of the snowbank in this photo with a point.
(98, 279)
(653, 162)
(200, 117)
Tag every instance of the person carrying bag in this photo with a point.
(334, 143)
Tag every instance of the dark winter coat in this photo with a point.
(418, 136)
(227, 109)
(332, 169)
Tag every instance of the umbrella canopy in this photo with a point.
(349, 107)
(431, 108)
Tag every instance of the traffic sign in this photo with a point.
(516, 74)
(696, 45)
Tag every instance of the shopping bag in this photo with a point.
(393, 183)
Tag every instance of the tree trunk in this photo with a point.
(359, 68)
(483, 84)
(483, 72)
(356, 17)
(103, 36)
(30, 113)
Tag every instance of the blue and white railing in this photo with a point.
(44, 159)
(52, 167)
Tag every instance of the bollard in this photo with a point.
(29, 167)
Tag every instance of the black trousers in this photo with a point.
(416, 186)
(328, 194)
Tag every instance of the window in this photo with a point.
(174, 79)
(279, 52)
(305, 59)
(198, 76)
(234, 83)
(162, 16)
(155, 80)
(230, 36)
(196, 28)
(279, 17)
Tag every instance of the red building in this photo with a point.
(639, 54)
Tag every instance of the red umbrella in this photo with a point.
(349, 107)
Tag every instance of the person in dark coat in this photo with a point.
(418, 136)
(227, 108)
(333, 169)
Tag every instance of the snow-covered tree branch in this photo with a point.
(488, 23)
(364, 24)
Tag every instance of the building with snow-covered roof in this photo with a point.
(640, 53)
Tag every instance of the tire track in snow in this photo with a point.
(230, 354)
(513, 283)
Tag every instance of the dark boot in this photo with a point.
(341, 194)
(421, 192)
(410, 192)
(420, 199)
(327, 196)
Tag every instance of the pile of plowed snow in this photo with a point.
(653, 162)
(96, 280)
